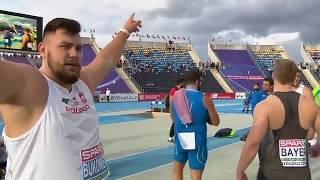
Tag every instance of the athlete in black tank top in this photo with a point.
(287, 117)
(287, 157)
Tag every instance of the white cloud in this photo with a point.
(239, 35)
(272, 39)
(263, 21)
(290, 41)
(92, 13)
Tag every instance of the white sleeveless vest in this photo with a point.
(65, 142)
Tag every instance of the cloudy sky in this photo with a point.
(283, 22)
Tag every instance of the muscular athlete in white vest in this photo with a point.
(51, 124)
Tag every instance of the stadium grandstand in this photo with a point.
(238, 68)
(266, 56)
(155, 66)
(149, 67)
(114, 81)
(245, 65)
(311, 64)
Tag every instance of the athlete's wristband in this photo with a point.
(125, 31)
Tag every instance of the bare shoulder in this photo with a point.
(305, 101)
(307, 106)
(16, 78)
(270, 105)
(307, 93)
(28, 84)
(262, 108)
(34, 86)
(25, 107)
(271, 101)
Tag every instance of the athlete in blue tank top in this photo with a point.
(191, 138)
(198, 126)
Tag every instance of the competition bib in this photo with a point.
(6, 40)
(292, 152)
(93, 165)
(187, 140)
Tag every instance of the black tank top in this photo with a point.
(287, 157)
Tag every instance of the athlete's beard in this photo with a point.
(62, 75)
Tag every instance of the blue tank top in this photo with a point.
(200, 117)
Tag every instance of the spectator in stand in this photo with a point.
(221, 66)
(119, 65)
(201, 68)
(213, 65)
